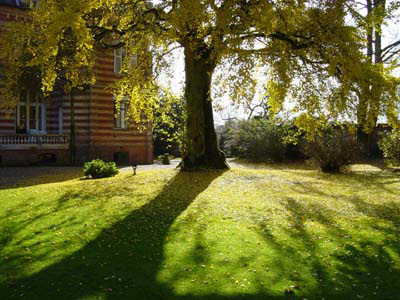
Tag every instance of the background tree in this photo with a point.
(168, 127)
(372, 16)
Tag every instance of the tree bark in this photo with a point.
(200, 141)
(374, 54)
(369, 32)
(362, 109)
(378, 33)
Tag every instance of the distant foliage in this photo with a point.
(168, 124)
(257, 140)
(100, 169)
(333, 148)
(390, 147)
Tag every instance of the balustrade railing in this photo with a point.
(29, 139)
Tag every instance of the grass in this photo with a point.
(240, 234)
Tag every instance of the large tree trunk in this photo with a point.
(362, 111)
(378, 32)
(200, 141)
(369, 32)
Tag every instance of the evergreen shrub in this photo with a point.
(333, 149)
(257, 140)
(100, 169)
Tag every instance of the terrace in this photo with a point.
(34, 141)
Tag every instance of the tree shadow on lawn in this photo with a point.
(123, 261)
(291, 165)
(361, 180)
(15, 177)
(361, 263)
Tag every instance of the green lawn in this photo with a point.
(240, 234)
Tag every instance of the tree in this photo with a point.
(39, 62)
(290, 36)
(371, 16)
(168, 126)
(312, 54)
(19, 76)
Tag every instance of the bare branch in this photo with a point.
(388, 50)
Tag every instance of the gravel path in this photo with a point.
(26, 176)
(155, 166)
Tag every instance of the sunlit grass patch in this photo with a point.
(241, 234)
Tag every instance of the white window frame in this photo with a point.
(32, 4)
(120, 56)
(120, 115)
(37, 103)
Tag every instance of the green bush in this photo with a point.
(165, 160)
(100, 169)
(389, 144)
(257, 140)
(335, 148)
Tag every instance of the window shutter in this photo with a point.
(123, 114)
(133, 62)
(60, 120)
(124, 108)
(117, 60)
(117, 116)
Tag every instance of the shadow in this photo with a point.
(362, 264)
(14, 177)
(122, 261)
(288, 165)
(362, 180)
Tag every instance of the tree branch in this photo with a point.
(388, 49)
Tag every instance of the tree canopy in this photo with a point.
(371, 17)
(312, 54)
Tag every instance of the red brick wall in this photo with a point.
(105, 140)
(96, 136)
(31, 156)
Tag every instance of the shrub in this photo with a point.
(335, 148)
(165, 159)
(100, 169)
(257, 140)
(390, 147)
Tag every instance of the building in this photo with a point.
(38, 131)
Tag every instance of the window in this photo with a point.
(20, 2)
(60, 120)
(26, 3)
(121, 158)
(120, 115)
(119, 58)
(30, 115)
